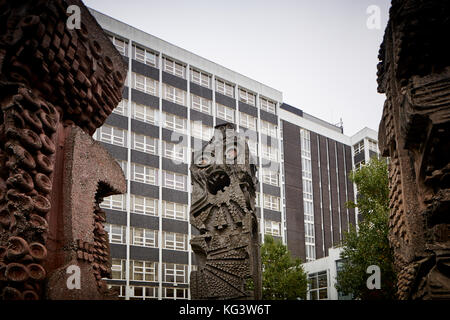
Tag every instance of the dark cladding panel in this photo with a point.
(350, 191)
(201, 91)
(294, 190)
(248, 109)
(342, 184)
(117, 120)
(144, 69)
(325, 193)
(174, 81)
(225, 100)
(334, 191)
(316, 196)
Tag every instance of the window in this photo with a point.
(175, 241)
(247, 121)
(174, 180)
(268, 129)
(225, 88)
(373, 145)
(267, 105)
(144, 174)
(200, 78)
(174, 95)
(174, 210)
(247, 97)
(174, 68)
(306, 168)
(143, 205)
(272, 228)
(122, 108)
(121, 45)
(175, 273)
(143, 292)
(174, 151)
(145, 84)
(116, 202)
(200, 104)
(144, 113)
(359, 147)
(174, 122)
(253, 147)
(145, 56)
(175, 293)
(271, 202)
(144, 237)
(224, 112)
(144, 143)
(118, 269)
(305, 143)
(269, 176)
(117, 234)
(318, 286)
(112, 135)
(269, 152)
(201, 131)
(143, 271)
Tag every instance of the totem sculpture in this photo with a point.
(414, 132)
(57, 86)
(223, 211)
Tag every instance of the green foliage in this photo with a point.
(283, 277)
(369, 245)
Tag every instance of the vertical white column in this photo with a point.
(128, 196)
(214, 108)
(160, 174)
(280, 175)
(261, 194)
(188, 187)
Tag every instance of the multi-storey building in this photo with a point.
(171, 102)
(322, 272)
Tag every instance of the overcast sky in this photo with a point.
(319, 53)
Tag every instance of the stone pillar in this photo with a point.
(57, 86)
(414, 73)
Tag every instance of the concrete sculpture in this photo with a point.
(414, 132)
(57, 86)
(223, 211)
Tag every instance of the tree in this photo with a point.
(369, 245)
(283, 277)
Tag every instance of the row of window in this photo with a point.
(147, 237)
(146, 206)
(148, 271)
(308, 195)
(178, 69)
(149, 292)
(147, 144)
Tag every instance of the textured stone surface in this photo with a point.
(55, 83)
(414, 132)
(223, 210)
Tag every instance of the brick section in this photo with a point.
(350, 191)
(325, 193)
(334, 193)
(294, 190)
(342, 193)
(316, 196)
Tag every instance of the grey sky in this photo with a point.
(319, 53)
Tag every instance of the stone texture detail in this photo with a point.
(57, 86)
(223, 210)
(414, 73)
